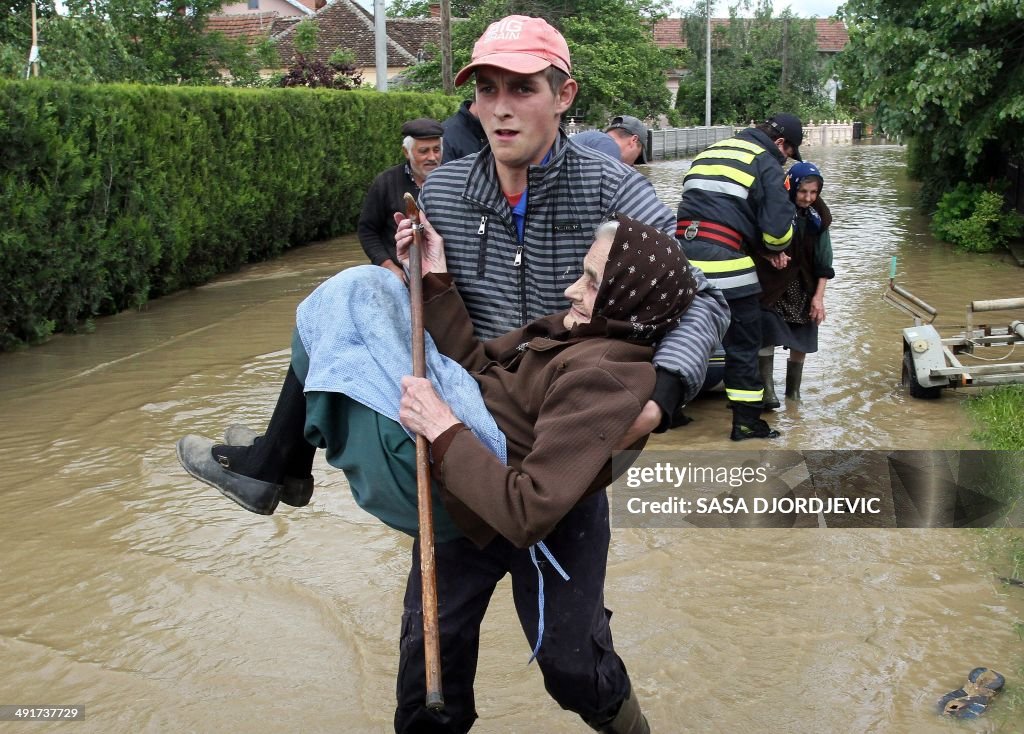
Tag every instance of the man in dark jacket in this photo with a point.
(463, 133)
(514, 223)
(735, 208)
(421, 146)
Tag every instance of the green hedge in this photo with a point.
(114, 194)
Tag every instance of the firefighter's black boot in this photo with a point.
(746, 423)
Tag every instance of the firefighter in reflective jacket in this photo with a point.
(734, 208)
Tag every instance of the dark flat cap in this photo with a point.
(422, 127)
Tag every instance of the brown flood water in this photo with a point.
(160, 606)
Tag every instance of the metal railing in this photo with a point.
(679, 142)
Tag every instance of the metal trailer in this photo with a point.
(932, 362)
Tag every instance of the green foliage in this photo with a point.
(999, 415)
(972, 218)
(341, 57)
(306, 31)
(144, 41)
(421, 8)
(113, 194)
(759, 65)
(16, 33)
(946, 72)
(615, 60)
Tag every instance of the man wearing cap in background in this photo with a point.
(734, 208)
(599, 141)
(421, 146)
(514, 222)
(631, 136)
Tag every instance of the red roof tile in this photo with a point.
(344, 24)
(252, 27)
(832, 35)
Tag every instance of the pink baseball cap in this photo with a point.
(519, 44)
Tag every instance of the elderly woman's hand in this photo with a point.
(817, 309)
(421, 411)
(779, 260)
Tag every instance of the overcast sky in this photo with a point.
(806, 8)
(802, 8)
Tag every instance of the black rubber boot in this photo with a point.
(628, 719)
(794, 376)
(766, 365)
(197, 457)
(746, 423)
(282, 451)
(295, 491)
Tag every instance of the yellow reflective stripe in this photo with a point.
(779, 241)
(732, 155)
(741, 144)
(723, 266)
(743, 179)
(744, 396)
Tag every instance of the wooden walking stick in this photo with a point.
(431, 638)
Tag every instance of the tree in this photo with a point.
(759, 65)
(147, 41)
(421, 8)
(16, 33)
(946, 74)
(614, 58)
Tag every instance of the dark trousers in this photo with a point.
(581, 670)
(742, 342)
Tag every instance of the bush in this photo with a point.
(972, 218)
(114, 194)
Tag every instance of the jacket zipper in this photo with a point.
(481, 259)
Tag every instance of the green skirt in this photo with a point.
(376, 454)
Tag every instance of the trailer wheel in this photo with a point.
(909, 380)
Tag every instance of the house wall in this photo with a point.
(285, 9)
(370, 73)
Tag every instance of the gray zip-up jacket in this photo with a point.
(507, 283)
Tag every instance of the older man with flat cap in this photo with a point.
(630, 134)
(422, 148)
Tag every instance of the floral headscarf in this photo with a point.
(797, 173)
(647, 283)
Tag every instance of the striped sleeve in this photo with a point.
(636, 198)
(775, 214)
(686, 349)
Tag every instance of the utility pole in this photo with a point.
(33, 54)
(785, 56)
(707, 71)
(380, 45)
(447, 80)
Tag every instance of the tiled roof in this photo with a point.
(832, 35)
(252, 27)
(415, 33)
(283, 24)
(344, 24)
